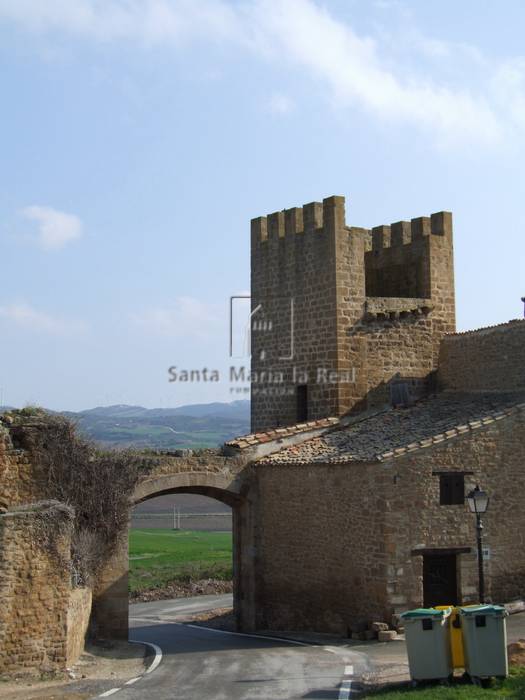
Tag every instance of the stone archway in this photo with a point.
(216, 486)
(221, 487)
(111, 607)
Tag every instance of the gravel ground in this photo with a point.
(101, 663)
(177, 589)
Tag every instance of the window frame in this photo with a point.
(453, 488)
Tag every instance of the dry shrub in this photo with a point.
(96, 484)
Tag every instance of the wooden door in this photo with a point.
(440, 585)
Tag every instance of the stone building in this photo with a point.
(367, 517)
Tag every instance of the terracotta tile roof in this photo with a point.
(254, 439)
(395, 432)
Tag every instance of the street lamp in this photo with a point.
(478, 502)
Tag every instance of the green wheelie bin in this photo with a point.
(428, 643)
(485, 641)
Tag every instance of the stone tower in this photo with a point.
(345, 318)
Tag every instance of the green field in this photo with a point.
(512, 687)
(157, 557)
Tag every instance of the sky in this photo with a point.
(139, 137)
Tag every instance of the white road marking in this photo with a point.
(132, 680)
(345, 689)
(243, 634)
(156, 649)
(152, 667)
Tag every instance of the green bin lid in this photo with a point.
(494, 610)
(420, 613)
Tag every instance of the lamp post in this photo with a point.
(478, 502)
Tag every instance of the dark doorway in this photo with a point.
(302, 403)
(440, 585)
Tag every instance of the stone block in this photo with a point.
(387, 635)
(379, 626)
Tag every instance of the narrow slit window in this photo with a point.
(302, 403)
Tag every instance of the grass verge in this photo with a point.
(159, 557)
(512, 687)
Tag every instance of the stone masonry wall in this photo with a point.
(34, 588)
(397, 350)
(78, 614)
(293, 256)
(321, 550)
(16, 474)
(415, 519)
(490, 359)
(342, 543)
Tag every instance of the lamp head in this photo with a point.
(478, 501)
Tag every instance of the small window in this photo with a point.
(302, 403)
(451, 489)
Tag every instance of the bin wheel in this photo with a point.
(486, 682)
(475, 680)
(413, 684)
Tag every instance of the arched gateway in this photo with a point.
(207, 473)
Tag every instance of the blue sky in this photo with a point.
(140, 136)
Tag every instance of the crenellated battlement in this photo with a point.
(403, 233)
(309, 218)
(325, 215)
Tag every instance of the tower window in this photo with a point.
(302, 403)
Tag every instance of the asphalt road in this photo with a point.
(200, 663)
(205, 664)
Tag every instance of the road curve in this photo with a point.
(200, 663)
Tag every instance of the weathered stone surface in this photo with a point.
(34, 587)
(78, 615)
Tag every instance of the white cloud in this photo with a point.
(336, 56)
(146, 21)
(186, 317)
(55, 229)
(355, 70)
(25, 316)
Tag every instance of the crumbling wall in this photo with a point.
(78, 614)
(35, 584)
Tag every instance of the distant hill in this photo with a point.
(235, 409)
(192, 426)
